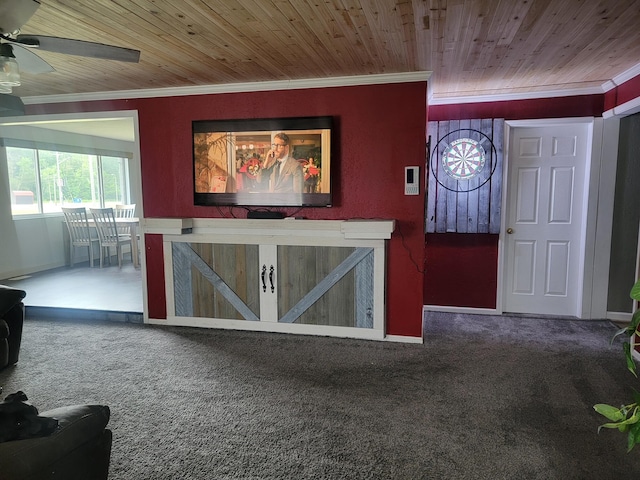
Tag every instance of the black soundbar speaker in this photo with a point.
(265, 215)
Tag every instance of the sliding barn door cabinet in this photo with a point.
(319, 277)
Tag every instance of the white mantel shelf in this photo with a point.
(346, 229)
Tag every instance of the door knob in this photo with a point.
(509, 231)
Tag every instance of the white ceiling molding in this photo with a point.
(627, 108)
(500, 97)
(628, 75)
(346, 81)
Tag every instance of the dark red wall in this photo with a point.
(461, 270)
(559, 107)
(624, 93)
(381, 129)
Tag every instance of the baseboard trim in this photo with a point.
(290, 329)
(271, 327)
(78, 314)
(619, 316)
(449, 309)
(8, 275)
(404, 339)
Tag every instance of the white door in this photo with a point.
(544, 219)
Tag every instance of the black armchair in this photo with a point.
(11, 321)
(79, 449)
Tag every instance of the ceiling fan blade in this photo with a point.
(29, 62)
(15, 13)
(80, 47)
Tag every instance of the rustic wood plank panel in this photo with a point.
(462, 197)
(338, 304)
(476, 208)
(442, 195)
(236, 265)
(452, 195)
(203, 291)
(324, 285)
(221, 286)
(484, 193)
(182, 285)
(473, 205)
(325, 259)
(301, 269)
(432, 189)
(364, 292)
(497, 179)
(296, 272)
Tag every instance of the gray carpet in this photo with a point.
(483, 398)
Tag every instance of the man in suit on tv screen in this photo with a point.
(284, 172)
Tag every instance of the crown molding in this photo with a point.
(501, 97)
(626, 76)
(627, 108)
(342, 81)
(246, 87)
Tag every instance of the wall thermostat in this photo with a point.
(411, 180)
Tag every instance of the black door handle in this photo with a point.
(271, 272)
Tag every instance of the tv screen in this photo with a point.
(263, 162)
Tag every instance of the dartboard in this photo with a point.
(463, 159)
(461, 164)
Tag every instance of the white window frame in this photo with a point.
(124, 159)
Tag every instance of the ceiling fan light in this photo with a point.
(9, 71)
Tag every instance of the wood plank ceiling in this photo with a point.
(473, 47)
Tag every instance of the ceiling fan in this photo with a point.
(17, 50)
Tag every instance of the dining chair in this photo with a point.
(79, 232)
(125, 211)
(108, 234)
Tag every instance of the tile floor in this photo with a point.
(109, 289)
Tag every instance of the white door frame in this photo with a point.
(135, 167)
(591, 299)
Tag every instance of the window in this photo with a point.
(43, 181)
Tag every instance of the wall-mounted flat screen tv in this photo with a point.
(263, 162)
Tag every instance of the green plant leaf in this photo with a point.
(612, 413)
(631, 364)
(620, 332)
(633, 419)
(635, 291)
(635, 321)
(624, 425)
(633, 437)
(619, 426)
